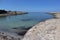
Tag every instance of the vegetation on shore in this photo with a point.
(6, 13)
(3, 12)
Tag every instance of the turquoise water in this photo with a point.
(25, 20)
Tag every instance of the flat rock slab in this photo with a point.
(47, 30)
(55, 15)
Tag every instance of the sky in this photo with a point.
(31, 5)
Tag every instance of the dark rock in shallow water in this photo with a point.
(26, 19)
(27, 28)
(15, 28)
(22, 27)
(21, 30)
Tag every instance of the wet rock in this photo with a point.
(22, 32)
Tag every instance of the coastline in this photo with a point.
(46, 30)
(55, 14)
(8, 36)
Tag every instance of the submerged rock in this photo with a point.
(26, 19)
(23, 27)
(21, 30)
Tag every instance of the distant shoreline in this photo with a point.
(55, 14)
(8, 13)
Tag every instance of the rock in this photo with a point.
(55, 14)
(47, 30)
(21, 30)
(23, 27)
(9, 36)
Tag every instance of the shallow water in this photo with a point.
(25, 20)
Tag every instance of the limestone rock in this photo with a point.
(48, 30)
(55, 14)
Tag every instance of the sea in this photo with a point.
(22, 21)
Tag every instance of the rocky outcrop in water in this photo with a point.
(13, 36)
(47, 30)
(21, 30)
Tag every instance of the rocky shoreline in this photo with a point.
(47, 30)
(9, 36)
(55, 14)
(17, 34)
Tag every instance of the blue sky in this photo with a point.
(31, 5)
